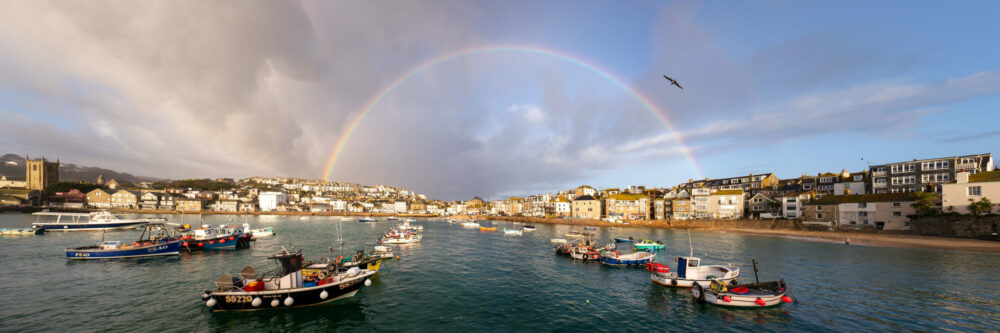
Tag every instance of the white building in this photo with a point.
(400, 206)
(793, 205)
(338, 205)
(269, 201)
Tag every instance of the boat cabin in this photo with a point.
(110, 245)
(686, 264)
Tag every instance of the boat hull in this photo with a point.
(627, 260)
(221, 243)
(89, 226)
(159, 249)
(671, 280)
(244, 301)
(737, 300)
(22, 231)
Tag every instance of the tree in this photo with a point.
(923, 205)
(980, 207)
(66, 186)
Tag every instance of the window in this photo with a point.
(897, 213)
(897, 204)
(862, 205)
(858, 178)
(854, 222)
(975, 190)
(819, 207)
(826, 180)
(864, 222)
(807, 187)
(862, 214)
(819, 216)
(790, 199)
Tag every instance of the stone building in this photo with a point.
(40, 173)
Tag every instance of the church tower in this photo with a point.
(100, 179)
(40, 173)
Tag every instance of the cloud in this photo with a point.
(530, 112)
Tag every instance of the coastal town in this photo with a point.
(881, 197)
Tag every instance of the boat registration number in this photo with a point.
(238, 299)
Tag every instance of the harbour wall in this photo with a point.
(668, 224)
(962, 226)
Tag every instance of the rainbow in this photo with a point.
(656, 112)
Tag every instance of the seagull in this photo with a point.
(673, 82)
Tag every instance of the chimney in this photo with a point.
(962, 177)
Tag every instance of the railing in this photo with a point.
(966, 166)
(880, 185)
(878, 174)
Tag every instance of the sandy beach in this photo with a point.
(788, 229)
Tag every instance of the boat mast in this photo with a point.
(691, 247)
(754, 261)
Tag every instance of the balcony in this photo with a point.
(966, 166)
(880, 185)
(879, 174)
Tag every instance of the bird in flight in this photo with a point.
(673, 82)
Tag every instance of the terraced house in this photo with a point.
(627, 207)
(125, 199)
(586, 207)
(98, 198)
(726, 204)
(927, 174)
(889, 211)
(984, 185)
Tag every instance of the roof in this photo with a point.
(988, 176)
(584, 197)
(728, 192)
(560, 199)
(884, 197)
(585, 186)
(630, 197)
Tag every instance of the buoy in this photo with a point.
(274, 303)
(289, 300)
(786, 299)
(324, 295)
(232, 238)
(222, 241)
(185, 244)
(256, 302)
(211, 302)
(759, 301)
(588, 301)
(727, 298)
(212, 242)
(368, 283)
(397, 258)
(201, 244)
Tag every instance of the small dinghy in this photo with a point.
(589, 228)
(383, 251)
(259, 233)
(557, 240)
(751, 295)
(22, 231)
(294, 284)
(646, 244)
(512, 231)
(625, 240)
(485, 228)
(470, 225)
(637, 258)
(367, 220)
(528, 227)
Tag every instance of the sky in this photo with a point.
(456, 99)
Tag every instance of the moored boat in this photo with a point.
(637, 258)
(528, 227)
(558, 240)
(750, 295)
(400, 237)
(625, 240)
(471, 225)
(156, 240)
(383, 251)
(646, 244)
(222, 238)
(95, 221)
(262, 232)
(690, 271)
(22, 231)
(367, 220)
(485, 228)
(294, 284)
(577, 234)
(513, 231)
(589, 228)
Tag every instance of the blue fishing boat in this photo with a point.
(367, 220)
(625, 240)
(637, 258)
(222, 238)
(156, 240)
(95, 221)
(589, 228)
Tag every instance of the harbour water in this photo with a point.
(467, 280)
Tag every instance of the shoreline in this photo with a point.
(785, 229)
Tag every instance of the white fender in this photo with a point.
(211, 302)
(368, 283)
(324, 295)
(274, 303)
(289, 300)
(256, 302)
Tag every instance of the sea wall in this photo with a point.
(668, 224)
(964, 226)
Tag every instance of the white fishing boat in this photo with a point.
(690, 271)
(259, 233)
(528, 228)
(407, 226)
(400, 237)
(95, 221)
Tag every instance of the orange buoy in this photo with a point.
(760, 302)
(786, 299)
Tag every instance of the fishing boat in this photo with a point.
(589, 228)
(95, 221)
(400, 237)
(485, 228)
(637, 258)
(367, 220)
(407, 226)
(259, 233)
(513, 231)
(528, 227)
(750, 295)
(690, 271)
(156, 240)
(294, 284)
(625, 240)
(360, 260)
(22, 231)
(648, 244)
(383, 251)
(222, 238)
